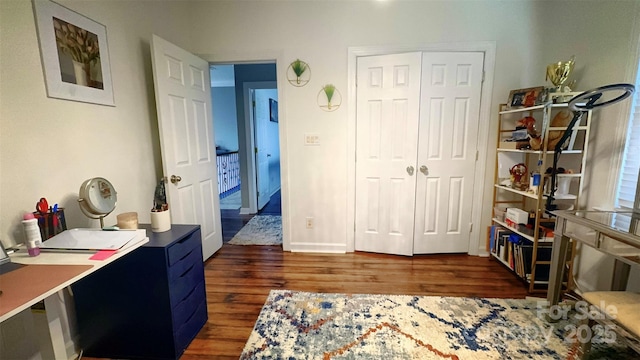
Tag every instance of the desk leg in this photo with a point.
(558, 261)
(55, 341)
(620, 276)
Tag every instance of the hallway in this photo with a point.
(233, 221)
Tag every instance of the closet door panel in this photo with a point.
(388, 96)
(447, 146)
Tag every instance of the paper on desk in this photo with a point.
(89, 239)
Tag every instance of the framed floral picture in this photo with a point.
(74, 53)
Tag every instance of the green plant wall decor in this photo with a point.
(298, 73)
(329, 98)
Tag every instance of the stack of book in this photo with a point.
(516, 252)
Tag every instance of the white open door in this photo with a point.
(261, 120)
(388, 112)
(449, 117)
(183, 100)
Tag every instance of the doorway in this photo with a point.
(247, 142)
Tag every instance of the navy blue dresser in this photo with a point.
(149, 304)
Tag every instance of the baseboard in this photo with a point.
(244, 211)
(319, 248)
(275, 191)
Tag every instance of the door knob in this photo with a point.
(175, 179)
(410, 170)
(424, 169)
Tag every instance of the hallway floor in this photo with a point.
(233, 221)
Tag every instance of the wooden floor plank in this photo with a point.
(239, 279)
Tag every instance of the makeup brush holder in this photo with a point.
(160, 221)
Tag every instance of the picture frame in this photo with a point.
(74, 53)
(524, 97)
(273, 110)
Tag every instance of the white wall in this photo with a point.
(48, 147)
(225, 121)
(528, 35)
(121, 143)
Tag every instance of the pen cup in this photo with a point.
(160, 221)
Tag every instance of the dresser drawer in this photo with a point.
(185, 309)
(181, 286)
(191, 327)
(179, 269)
(182, 248)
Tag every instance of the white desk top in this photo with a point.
(67, 258)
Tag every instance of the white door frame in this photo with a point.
(489, 50)
(250, 128)
(261, 57)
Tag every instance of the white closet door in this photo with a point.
(449, 116)
(388, 111)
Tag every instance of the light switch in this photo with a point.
(311, 139)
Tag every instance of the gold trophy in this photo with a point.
(559, 73)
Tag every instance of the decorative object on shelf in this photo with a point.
(75, 55)
(588, 100)
(298, 73)
(524, 97)
(566, 182)
(558, 73)
(561, 119)
(329, 98)
(529, 123)
(519, 180)
(97, 198)
(534, 183)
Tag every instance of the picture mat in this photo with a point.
(44, 12)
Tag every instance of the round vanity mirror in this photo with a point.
(97, 198)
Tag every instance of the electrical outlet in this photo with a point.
(311, 139)
(309, 223)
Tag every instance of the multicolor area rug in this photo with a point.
(300, 325)
(260, 230)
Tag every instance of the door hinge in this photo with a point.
(253, 103)
(256, 150)
(470, 227)
(477, 154)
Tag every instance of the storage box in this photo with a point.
(516, 215)
(499, 213)
(514, 144)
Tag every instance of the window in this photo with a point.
(631, 159)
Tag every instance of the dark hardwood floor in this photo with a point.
(239, 278)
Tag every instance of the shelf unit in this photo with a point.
(537, 161)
